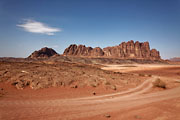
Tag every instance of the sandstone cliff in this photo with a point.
(125, 50)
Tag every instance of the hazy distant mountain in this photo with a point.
(175, 59)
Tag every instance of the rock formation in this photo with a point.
(82, 50)
(125, 50)
(43, 53)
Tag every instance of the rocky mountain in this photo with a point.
(125, 50)
(43, 53)
(175, 59)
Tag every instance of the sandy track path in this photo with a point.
(147, 82)
(83, 107)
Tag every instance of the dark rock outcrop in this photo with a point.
(43, 53)
(125, 50)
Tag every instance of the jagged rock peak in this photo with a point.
(127, 50)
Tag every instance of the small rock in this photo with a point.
(24, 71)
(14, 83)
(19, 86)
(5, 72)
(107, 116)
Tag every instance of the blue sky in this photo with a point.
(28, 25)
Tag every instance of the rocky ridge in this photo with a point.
(125, 50)
(175, 59)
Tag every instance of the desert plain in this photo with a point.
(79, 91)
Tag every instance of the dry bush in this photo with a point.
(149, 75)
(141, 74)
(159, 83)
(74, 86)
(94, 84)
(113, 87)
(106, 82)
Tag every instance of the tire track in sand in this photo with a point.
(83, 107)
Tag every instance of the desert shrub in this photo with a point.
(141, 74)
(74, 86)
(149, 75)
(113, 87)
(117, 73)
(106, 83)
(94, 84)
(159, 83)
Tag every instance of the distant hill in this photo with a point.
(175, 59)
(43, 53)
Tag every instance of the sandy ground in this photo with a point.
(138, 67)
(142, 102)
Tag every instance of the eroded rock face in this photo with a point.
(154, 54)
(97, 52)
(127, 50)
(43, 53)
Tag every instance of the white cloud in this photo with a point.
(38, 27)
